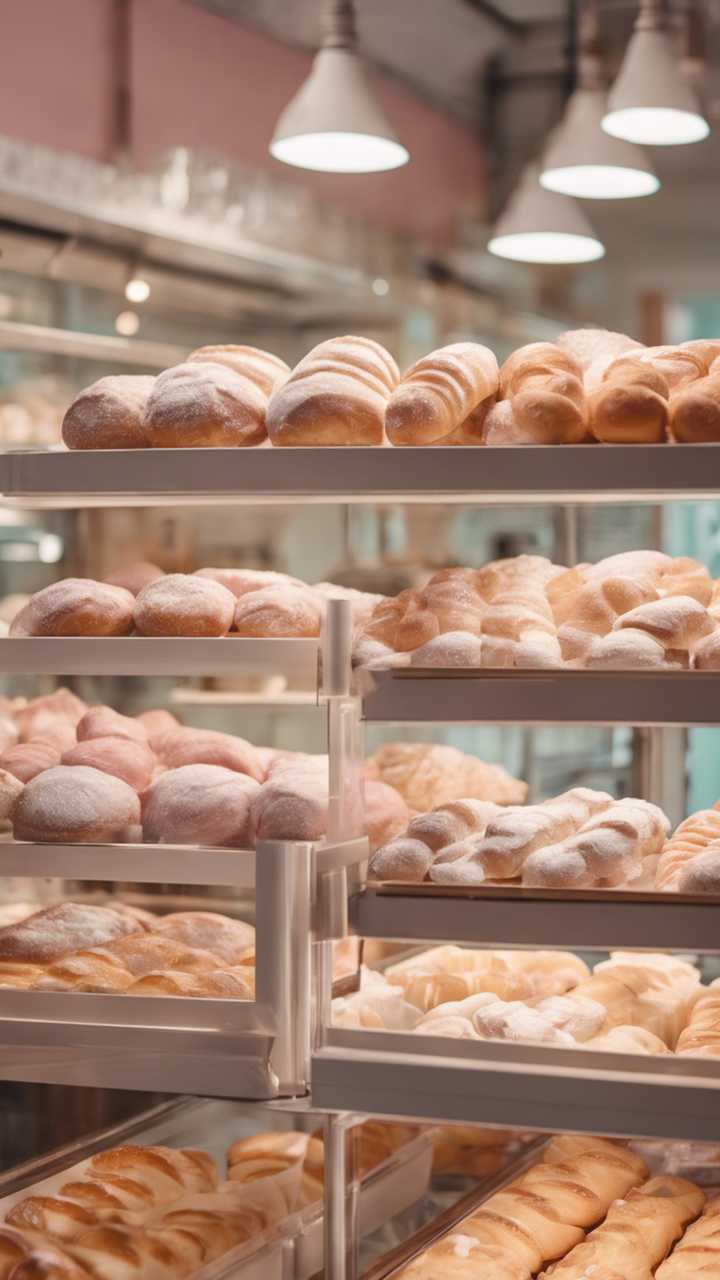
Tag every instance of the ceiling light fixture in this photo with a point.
(334, 123)
(651, 101)
(127, 324)
(137, 288)
(580, 159)
(540, 226)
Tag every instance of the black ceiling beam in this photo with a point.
(494, 14)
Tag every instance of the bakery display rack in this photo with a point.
(500, 475)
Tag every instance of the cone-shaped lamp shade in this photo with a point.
(651, 101)
(583, 161)
(540, 226)
(334, 123)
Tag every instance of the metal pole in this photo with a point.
(283, 918)
(334, 1224)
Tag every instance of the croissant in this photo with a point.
(637, 1233)
(545, 388)
(336, 395)
(438, 393)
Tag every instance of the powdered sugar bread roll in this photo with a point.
(336, 395)
(209, 931)
(66, 804)
(28, 759)
(76, 607)
(281, 611)
(53, 932)
(545, 388)
(181, 604)
(438, 392)
(242, 581)
(678, 622)
(208, 746)
(625, 650)
(135, 576)
(200, 804)
(293, 803)
(105, 722)
(263, 369)
(131, 761)
(452, 649)
(403, 858)
(109, 414)
(204, 404)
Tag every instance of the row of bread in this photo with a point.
(144, 601)
(73, 773)
(159, 1213)
(631, 1003)
(75, 946)
(586, 1210)
(590, 385)
(635, 610)
(581, 839)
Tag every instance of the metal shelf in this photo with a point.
(543, 697)
(522, 1086)
(160, 655)
(520, 474)
(254, 1049)
(511, 916)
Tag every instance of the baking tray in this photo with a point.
(294, 1251)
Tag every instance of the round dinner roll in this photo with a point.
(200, 804)
(277, 612)
(75, 804)
(131, 761)
(28, 759)
(76, 607)
(110, 414)
(183, 746)
(104, 722)
(38, 716)
(181, 604)
(135, 576)
(157, 723)
(401, 859)
(242, 581)
(261, 367)
(204, 405)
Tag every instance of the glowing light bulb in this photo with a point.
(127, 324)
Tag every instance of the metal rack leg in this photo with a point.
(335, 1225)
(283, 921)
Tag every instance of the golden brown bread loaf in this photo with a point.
(438, 393)
(638, 1232)
(76, 607)
(217, 398)
(428, 775)
(630, 406)
(68, 804)
(695, 410)
(701, 1037)
(537, 1218)
(57, 931)
(693, 838)
(109, 414)
(655, 992)
(544, 386)
(336, 395)
(30, 1254)
(697, 1255)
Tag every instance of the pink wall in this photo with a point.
(201, 81)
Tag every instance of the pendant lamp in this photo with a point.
(651, 101)
(334, 123)
(540, 226)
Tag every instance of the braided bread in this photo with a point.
(637, 1233)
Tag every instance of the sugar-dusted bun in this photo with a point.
(135, 576)
(262, 368)
(589, 346)
(336, 395)
(208, 931)
(630, 406)
(208, 746)
(33, 718)
(386, 813)
(293, 803)
(625, 650)
(677, 622)
(49, 934)
(76, 607)
(28, 759)
(204, 405)
(282, 611)
(66, 804)
(452, 649)
(404, 858)
(233, 984)
(181, 604)
(104, 722)
(109, 414)
(157, 723)
(706, 656)
(241, 581)
(544, 385)
(131, 761)
(10, 791)
(439, 392)
(200, 804)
